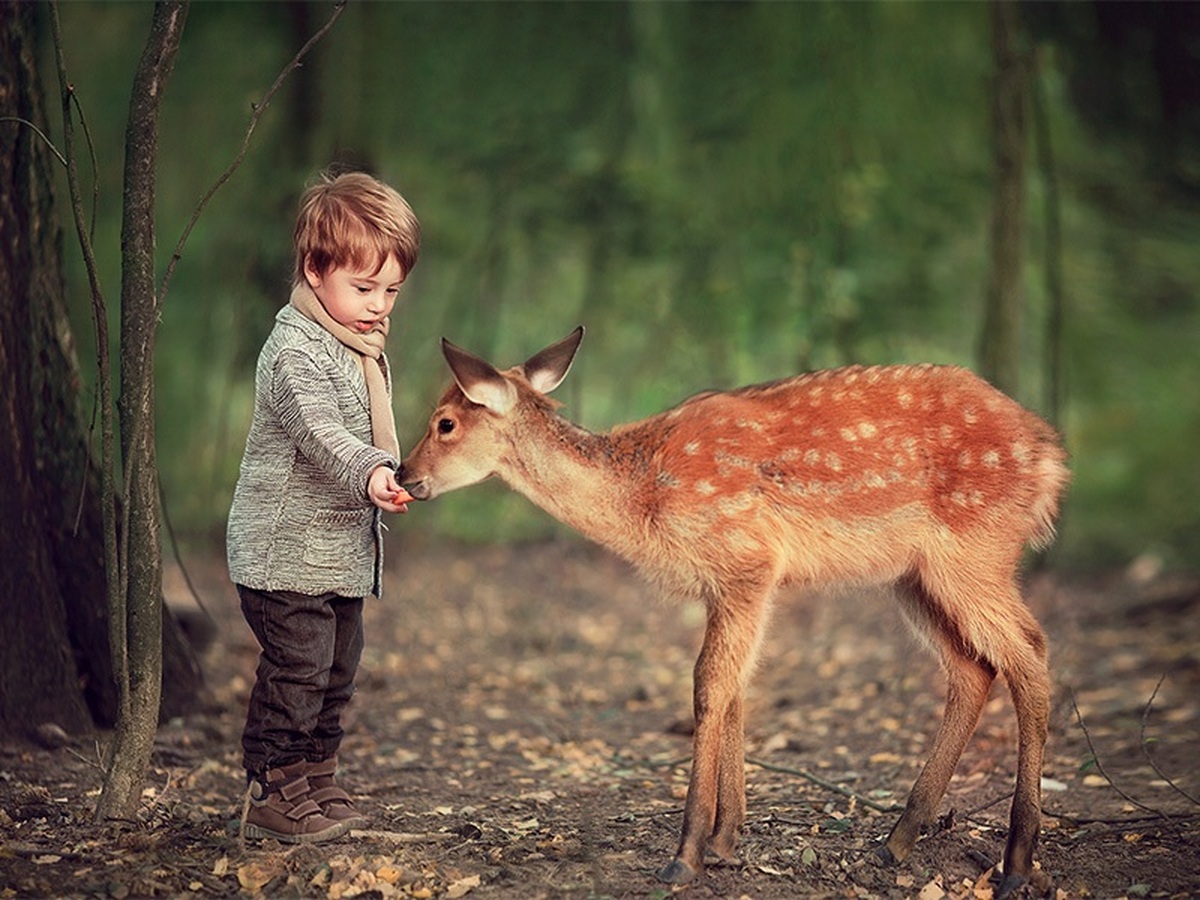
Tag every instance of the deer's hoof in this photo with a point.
(725, 846)
(885, 857)
(1010, 886)
(677, 872)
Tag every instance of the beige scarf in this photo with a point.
(370, 344)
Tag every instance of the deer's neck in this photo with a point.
(586, 480)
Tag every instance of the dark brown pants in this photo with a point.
(311, 646)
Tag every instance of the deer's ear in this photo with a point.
(547, 369)
(479, 380)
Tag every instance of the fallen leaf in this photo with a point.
(772, 870)
(390, 874)
(254, 876)
(462, 887)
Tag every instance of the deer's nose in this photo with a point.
(419, 489)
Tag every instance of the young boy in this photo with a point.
(304, 536)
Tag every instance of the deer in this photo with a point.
(922, 477)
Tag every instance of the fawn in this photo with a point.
(925, 477)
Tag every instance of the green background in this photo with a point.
(721, 193)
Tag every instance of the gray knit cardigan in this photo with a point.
(301, 519)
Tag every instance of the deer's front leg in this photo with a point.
(700, 809)
(716, 797)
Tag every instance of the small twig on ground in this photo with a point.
(1111, 820)
(97, 763)
(404, 837)
(1100, 767)
(828, 785)
(988, 805)
(665, 763)
(1146, 745)
(242, 823)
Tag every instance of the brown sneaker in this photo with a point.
(335, 803)
(285, 810)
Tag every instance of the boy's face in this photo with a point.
(357, 299)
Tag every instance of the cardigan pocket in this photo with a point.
(340, 539)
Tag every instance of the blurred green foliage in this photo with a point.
(722, 193)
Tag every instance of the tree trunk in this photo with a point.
(56, 665)
(1052, 356)
(39, 677)
(1000, 342)
(141, 615)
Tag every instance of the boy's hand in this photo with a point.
(385, 492)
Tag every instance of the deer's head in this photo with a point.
(478, 417)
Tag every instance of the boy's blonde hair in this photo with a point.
(354, 220)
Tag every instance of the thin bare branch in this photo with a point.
(91, 145)
(1146, 745)
(257, 110)
(828, 785)
(49, 143)
(114, 575)
(1100, 768)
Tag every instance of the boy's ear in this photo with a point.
(310, 274)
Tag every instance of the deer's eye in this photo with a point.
(445, 426)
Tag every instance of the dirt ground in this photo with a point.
(522, 730)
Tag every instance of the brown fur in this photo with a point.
(920, 476)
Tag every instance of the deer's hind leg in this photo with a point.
(1027, 672)
(969, 678)
(981, 627)
(731, 782)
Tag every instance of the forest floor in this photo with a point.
(522, 730)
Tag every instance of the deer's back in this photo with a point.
(843, 473)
